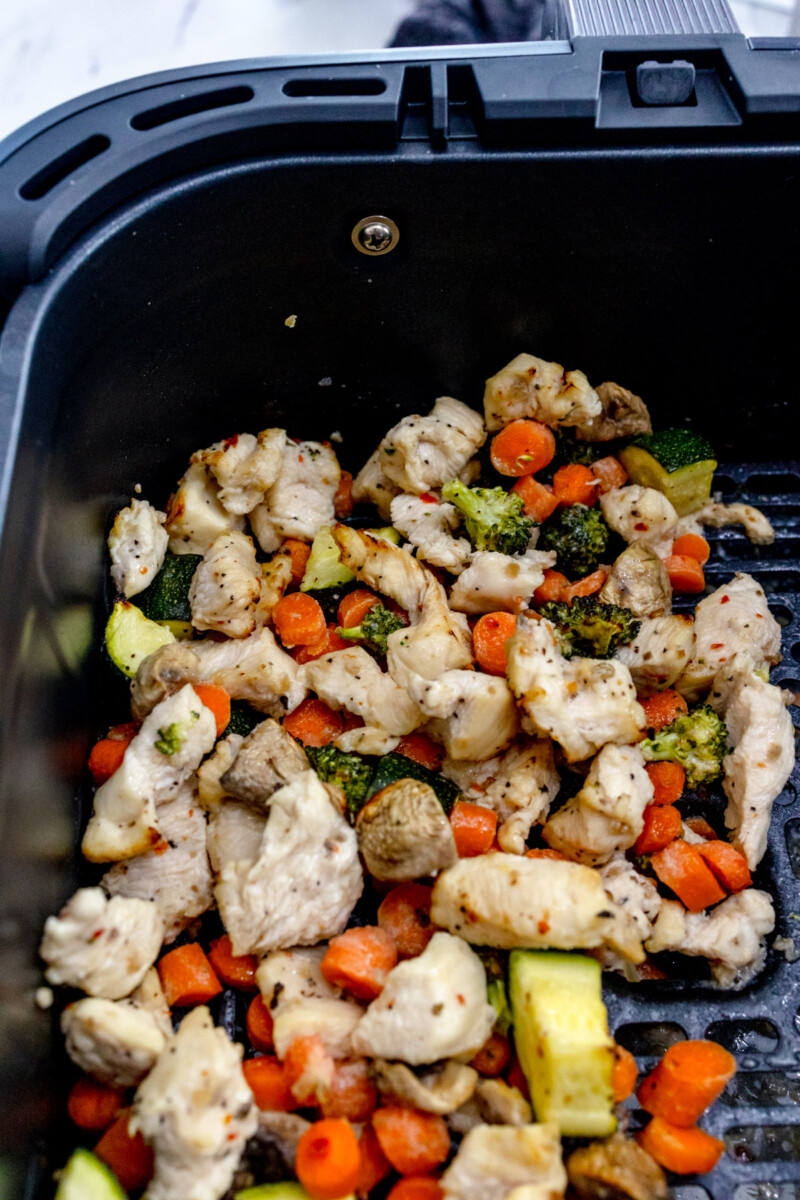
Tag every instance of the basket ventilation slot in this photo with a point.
(77, 156)
(334, 87)
(190, 106)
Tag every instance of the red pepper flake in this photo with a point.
(97, 933)
(428, 498)
(760, 616)
(543, 927)
(160, 847)
(460, 998)
(717, 645)
(724, 599)
(640, 525)
(231, 441)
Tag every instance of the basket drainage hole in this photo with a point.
(66, 164)
(650, 1037)
(792, 832)
(782, 614)
(763, 1143)
(189, 106)
(690, 1191)
(767, 1191)
(788, 795)
(773, 485)
(763, 1089)
(757, 1036)
(334, 87)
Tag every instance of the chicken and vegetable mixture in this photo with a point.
(408, 778)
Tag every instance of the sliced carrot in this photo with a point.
(299, 553)
(350, 721)
(218, 700)
(414, 1142)
(375, 1166)
(235, 970)
(309, 1068)
(546, 852)
(473, 828)
(662, 708)
(624, 1074)
(343, 496)
(493, 1057)
(328, 1160)
(610, 472)
(538, 500)
(489, 639)
(522, 448)
(575, 484)
(417, 1187)
(327, 644)
(187, 976)
(355, 606)
(352, 1094)
(107, 754)
(552, 588)
(299, 620)
(693, 546)
(93, 1105)
(128, 1155)
(685, 574)
(422, 749)
(517, 1078)
(359, 960)
(682, 1151)
(689, 1078)
(588, 586)
(728, 865)
(668, 780)
(266, 1078)
(682, 868)
(701, 827)
(662, 824)
(405, 914)
(313, 723)
(259, 1025)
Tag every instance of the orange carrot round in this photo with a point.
(355, 606)
(473, 828)
(93, 1105)
(727, 864)
(575, 484)
(689, 1078)
(417, 1187)
(668, 780)
(624, 1074)
(692, 545)
(682, 1151)
(422, 749)
(662, 708)
(359, 960)
(313, 723)
(588, 586)
(352, 1094)
(546, 852)
(405, 914)
(522, 448)
(682, 868)
(218, 700)
(489, 639)
(493, 1057)
(235, 970)
(128, 1155)
(610, 472)
(516, 1078)
(187, 976)
(551, 588)
(107, 754)
(375, 1166)
(414, 1142)
(327, 644)
(299, 553)
(662, 824)
(343, 496)
(266, 1078)
(538, 500)
(259, 1025)
(328, 1159)
(685, 574)
(299, 620)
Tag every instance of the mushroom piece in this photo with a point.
(403, 832)
(639, 581)
(623, 415)
(440, 1090)
(501, 1104)
(616, 1169)
(268, 758)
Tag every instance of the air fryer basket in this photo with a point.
(158, 236)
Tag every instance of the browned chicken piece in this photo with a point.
(616, 1169)
(623, 415)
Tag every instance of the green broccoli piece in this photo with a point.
(589, 627)
(697, 740)
(579, 536)
(351, 772)
(493, 517)
(170, 739)
(570, 450)
(375, 627)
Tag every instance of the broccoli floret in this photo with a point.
(375, 627)
(352, 773)
(579, 536)
(570, 450)
(697, 740)
(493, 517)
(589, 627)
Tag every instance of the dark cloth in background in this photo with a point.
(450, 22)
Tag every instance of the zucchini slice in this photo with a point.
(85, 1177)
(678, 462)
(324, 570)
(278, 1191)
(131, 636)
(167, 597)
(392, 767)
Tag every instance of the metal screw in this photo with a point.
(375, 235)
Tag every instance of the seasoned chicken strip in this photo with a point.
(472, 714)
(507, 901)
(640, 514)
(226, 587)
(531, 387)
(351, 679)
(195, 516)
(137, 544)
(757, 527)
(761, 731)
(639, 581)
(500, 582)
(637, 894)
(276, 575)
(441, 1090)
(268, 758)
(507, 1162)
(428, 524)
(372, 486)
(730, 935)
(421, 453)
(302, 1003)
(300, 502)
(196, 1111)
(660, 652)
(167, 749)
(114, 1041)
(623, 415)
(245, 467)
(210, 791)
(582, 703)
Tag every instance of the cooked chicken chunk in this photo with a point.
(506, 901)
(196, 1111)
(235, 833)
(302, 1003)
(637, 894)
(102, 946)
(428, 524)
(420, 453)
(640, 514)
(639, 581)
(166, 750)
(351, 679)
(432, 1007)
(582, 703)
(473, 715)
(373, 486)
(616, 1169)
(175, 873)
(730, 935)
(733, 619)
(659, 653)
(531, 387)
(366, 740)
(276, 575)
(210, 791)
(245, 467)
(607, 813)
(506, 1162)
(286, 976)
(623, 415)
(500, 582)
(254, 669)
(114, 1041)
(300, 502)
(404, 834)
(137, 544)
(226, 587)
(268, 758)
(519, 785)
(149, 995)
(441, 1090)
(195, 516)
(303, 880)
(757, 527)
(756, 770)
